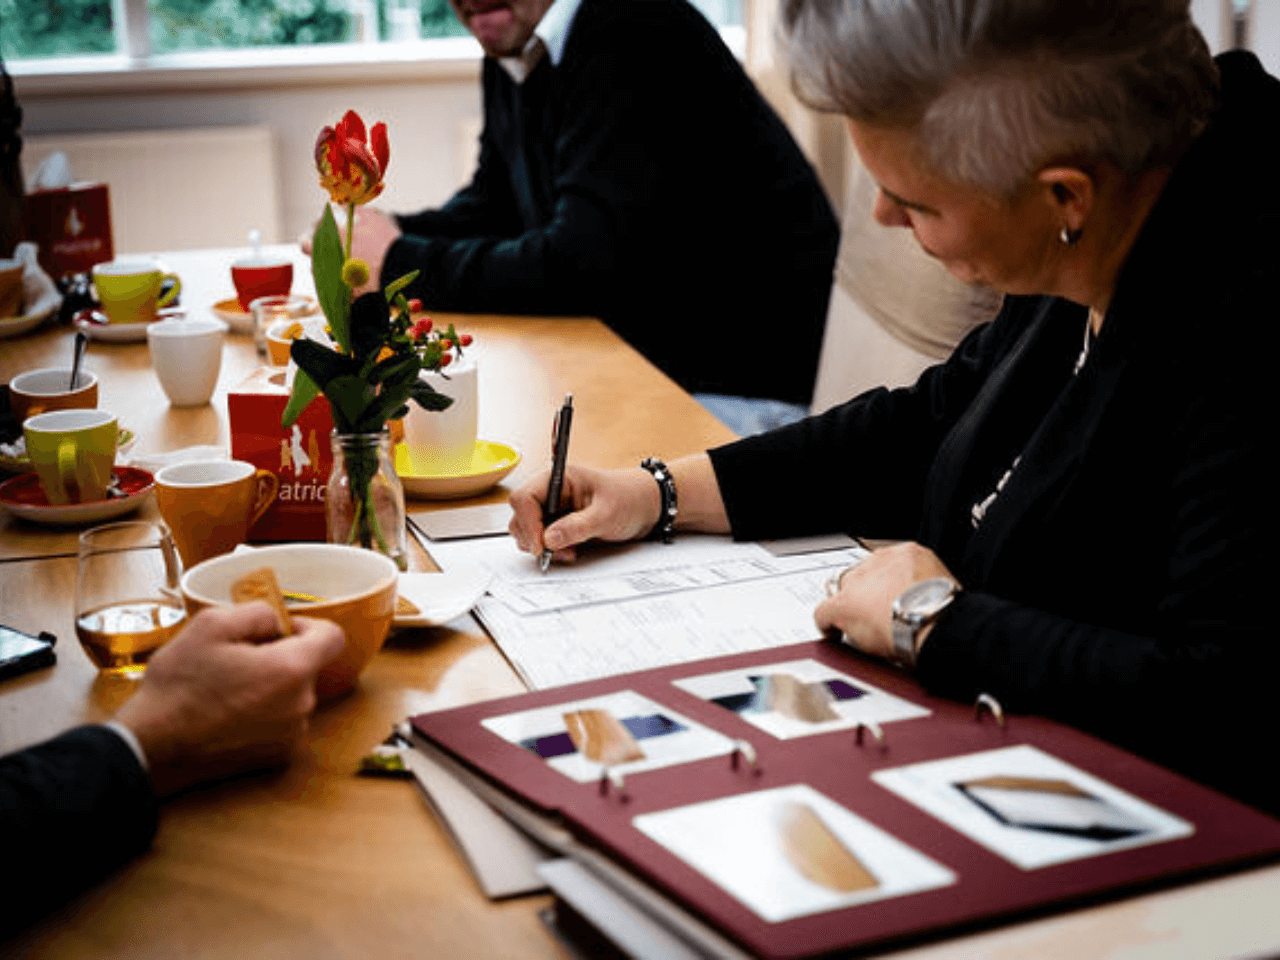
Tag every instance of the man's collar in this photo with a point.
(549, 38)
(555, 25)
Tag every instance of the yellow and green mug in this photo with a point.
(72, 452)
(129, 290)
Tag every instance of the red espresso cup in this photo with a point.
(256, 277)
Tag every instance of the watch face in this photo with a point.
(926, 597)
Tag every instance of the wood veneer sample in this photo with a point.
(814, 850)
(1029, 784)
(808, 702)
(599, 736)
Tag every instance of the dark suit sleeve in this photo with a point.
(73, 809)
(471, 259)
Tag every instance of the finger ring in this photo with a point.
(836, 580)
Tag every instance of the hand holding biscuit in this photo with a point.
(221, 697)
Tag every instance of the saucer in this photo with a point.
(24, 497)
(95, 325)
(437, 598)
(489, 464)
(16, 326)
(241, 320)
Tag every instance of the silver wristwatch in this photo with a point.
(916, 608)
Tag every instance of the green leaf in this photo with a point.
(370, 326)
(326, 267)
(320, 363)
(350, 398)
(395, 286)
(304, 391)
(395, 366)
(427, 398)
(387, 403)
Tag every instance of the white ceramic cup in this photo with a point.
(187, 357)
(443, 443)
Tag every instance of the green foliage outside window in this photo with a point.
(52, 28)
(201, 24)
(55, 28)
(438, 20)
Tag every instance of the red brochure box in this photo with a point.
(71, 227)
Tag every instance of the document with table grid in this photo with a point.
(641, 605)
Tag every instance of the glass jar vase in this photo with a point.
(364, 500)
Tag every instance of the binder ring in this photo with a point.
(742, 750)
(992, 705)
(610, 776)
(868, 726)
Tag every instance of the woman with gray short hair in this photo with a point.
(1083, 486)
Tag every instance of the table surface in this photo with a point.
(315, 862)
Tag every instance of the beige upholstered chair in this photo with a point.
(894, 310)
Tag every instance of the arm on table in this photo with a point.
(608, 183)
(217, 699)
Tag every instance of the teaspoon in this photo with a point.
(82, 340)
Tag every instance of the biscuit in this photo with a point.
(261, 584)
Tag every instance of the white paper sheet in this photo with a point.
(654, 627)
(735, 842)
(934, 787)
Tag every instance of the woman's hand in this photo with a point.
(604, 504)
(863, 607)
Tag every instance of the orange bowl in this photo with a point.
(354, 588)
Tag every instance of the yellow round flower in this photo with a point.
(355, 273)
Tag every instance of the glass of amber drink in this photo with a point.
(128, 601)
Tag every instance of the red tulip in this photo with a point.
(351, 163)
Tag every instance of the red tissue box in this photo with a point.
(300, 456)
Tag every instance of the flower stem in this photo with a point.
(351, 229)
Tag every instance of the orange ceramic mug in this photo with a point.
(49, 388)
(210, 505)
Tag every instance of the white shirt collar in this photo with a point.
(550, 35)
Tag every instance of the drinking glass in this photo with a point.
(128, 602)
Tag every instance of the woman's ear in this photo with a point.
(1071, 194)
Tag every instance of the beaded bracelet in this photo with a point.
(665, 528)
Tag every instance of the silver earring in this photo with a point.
(1068, 236)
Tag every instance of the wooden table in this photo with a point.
(315, 862)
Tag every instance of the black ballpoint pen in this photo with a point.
(555, 485)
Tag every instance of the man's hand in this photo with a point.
(226, 695)
(375, 231)
(863, 608)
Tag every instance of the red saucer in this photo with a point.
(24, 497)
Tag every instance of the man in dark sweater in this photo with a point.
(630, 170)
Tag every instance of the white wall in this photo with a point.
(431, 126)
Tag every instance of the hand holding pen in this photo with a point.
(551, 511)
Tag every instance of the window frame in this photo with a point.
(139, 70)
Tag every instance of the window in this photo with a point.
(34, 29)
(55, 28)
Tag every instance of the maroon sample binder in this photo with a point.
(805, 800)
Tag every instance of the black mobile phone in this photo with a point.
(20, 652)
